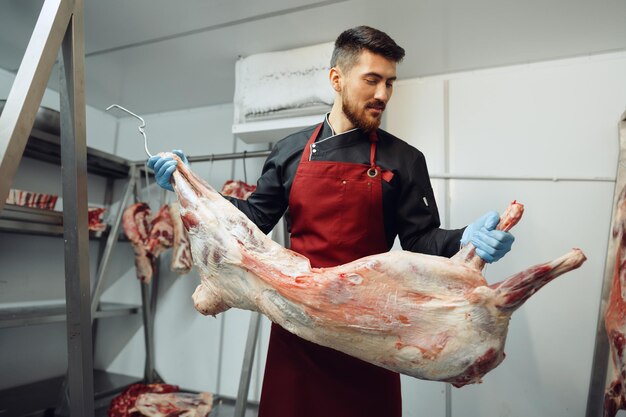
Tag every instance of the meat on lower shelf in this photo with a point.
(179, 404)
(159, 400)
(426, 316)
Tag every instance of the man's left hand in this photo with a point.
(491, 244)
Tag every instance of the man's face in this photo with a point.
(366, 89)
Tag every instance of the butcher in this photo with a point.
(349, 189)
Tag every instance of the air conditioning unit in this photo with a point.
(278, 93)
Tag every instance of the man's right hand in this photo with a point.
(164, 166)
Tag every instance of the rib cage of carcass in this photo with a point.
(426, 316)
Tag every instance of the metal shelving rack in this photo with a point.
(58, 34)
(44, 395)
(52, 313)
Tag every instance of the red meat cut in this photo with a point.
(123, 405)
(176, 404)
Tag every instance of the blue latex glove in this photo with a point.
(491, 245)
(164, 166)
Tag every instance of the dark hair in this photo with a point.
(351, 42)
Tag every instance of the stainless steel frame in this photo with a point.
(111, 241)
(59, 30)
(251, 344)
(246, 367)
(600, 365)
(30, 82)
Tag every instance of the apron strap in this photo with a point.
(306, 153)
(373, 171)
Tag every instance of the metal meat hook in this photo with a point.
(141, 127)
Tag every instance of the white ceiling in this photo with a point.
(159, 55)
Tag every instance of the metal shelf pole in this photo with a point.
(246, 368)
(111, 241)
(75, 208)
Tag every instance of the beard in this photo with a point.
(359, 116)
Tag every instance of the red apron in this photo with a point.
(337, 217)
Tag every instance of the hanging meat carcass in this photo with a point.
(426, 316)
(149, 236)
(237, 189)
(136, 224)
(161, 235)
(615, 316)
(181, 262)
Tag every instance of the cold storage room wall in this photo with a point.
(555, 120)
(193, 351)
(32, 266)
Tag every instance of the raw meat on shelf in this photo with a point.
(31, 199)
(426, 316)
(123, 405)
(179, 404)
(159, 400)
(95, 223)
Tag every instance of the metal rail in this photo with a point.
(445, 175)
(219, 157)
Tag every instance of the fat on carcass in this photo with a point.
(615, 315)
(425, 316)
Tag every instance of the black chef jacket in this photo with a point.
(409, 207)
